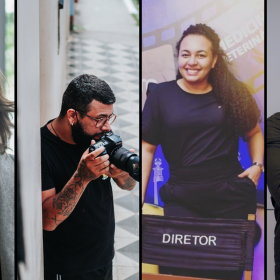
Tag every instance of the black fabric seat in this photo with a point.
(199, 243)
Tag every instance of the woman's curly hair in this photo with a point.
(6, 108)
(239, 106)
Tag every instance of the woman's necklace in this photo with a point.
(54, 131)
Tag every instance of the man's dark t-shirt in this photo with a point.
(273, 163)
(85, 240)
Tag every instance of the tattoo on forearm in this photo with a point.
(85, 173)
(56, 220)
(67, 199)
(128, 183)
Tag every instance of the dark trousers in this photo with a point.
(104, 273)
(230, 198)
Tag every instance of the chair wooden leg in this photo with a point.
(251, 217)
(248, 275)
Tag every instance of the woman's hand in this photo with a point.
(253, 173)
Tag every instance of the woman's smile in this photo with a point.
(196, 59)
(192, 72)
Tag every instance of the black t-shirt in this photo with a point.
(273, 163)
(85, 240)
(190, 127)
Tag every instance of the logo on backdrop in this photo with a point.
(245, 38)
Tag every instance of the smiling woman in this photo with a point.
(6, 189)
(198, 119)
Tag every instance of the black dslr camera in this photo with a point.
(119, 156)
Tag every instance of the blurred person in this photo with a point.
(198, 119)
(273, 180)
(78, 211)
(7, 228)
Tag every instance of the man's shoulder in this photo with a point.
(273, 129)
(46, 135)
(48, 142)
(274, 118)
(44, 128)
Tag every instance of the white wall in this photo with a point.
(52, 63)
(41, 81)
(273, 106)
(28, 132)
(273, 42)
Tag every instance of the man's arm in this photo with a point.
(122, 178)
(57, 207)
(125, 182)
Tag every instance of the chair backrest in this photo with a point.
(198, 243)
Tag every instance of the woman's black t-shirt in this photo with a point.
(85, 240)
(191, 128)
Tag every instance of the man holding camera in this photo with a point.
(78, 211)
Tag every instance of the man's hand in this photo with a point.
(115, 172)
(122, 178)
(91, 166)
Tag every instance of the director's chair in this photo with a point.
(233, 248)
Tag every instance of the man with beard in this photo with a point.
(78, 213)
(273, 180)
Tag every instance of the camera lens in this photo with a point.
(127, 161)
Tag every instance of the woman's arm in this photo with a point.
(256, 149)
(148, 151)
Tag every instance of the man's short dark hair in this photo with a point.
(6, 108)
(82, 91)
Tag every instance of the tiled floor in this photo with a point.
(118, 65)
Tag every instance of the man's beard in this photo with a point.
(79, 136)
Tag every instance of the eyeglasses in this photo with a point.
(101, 121)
